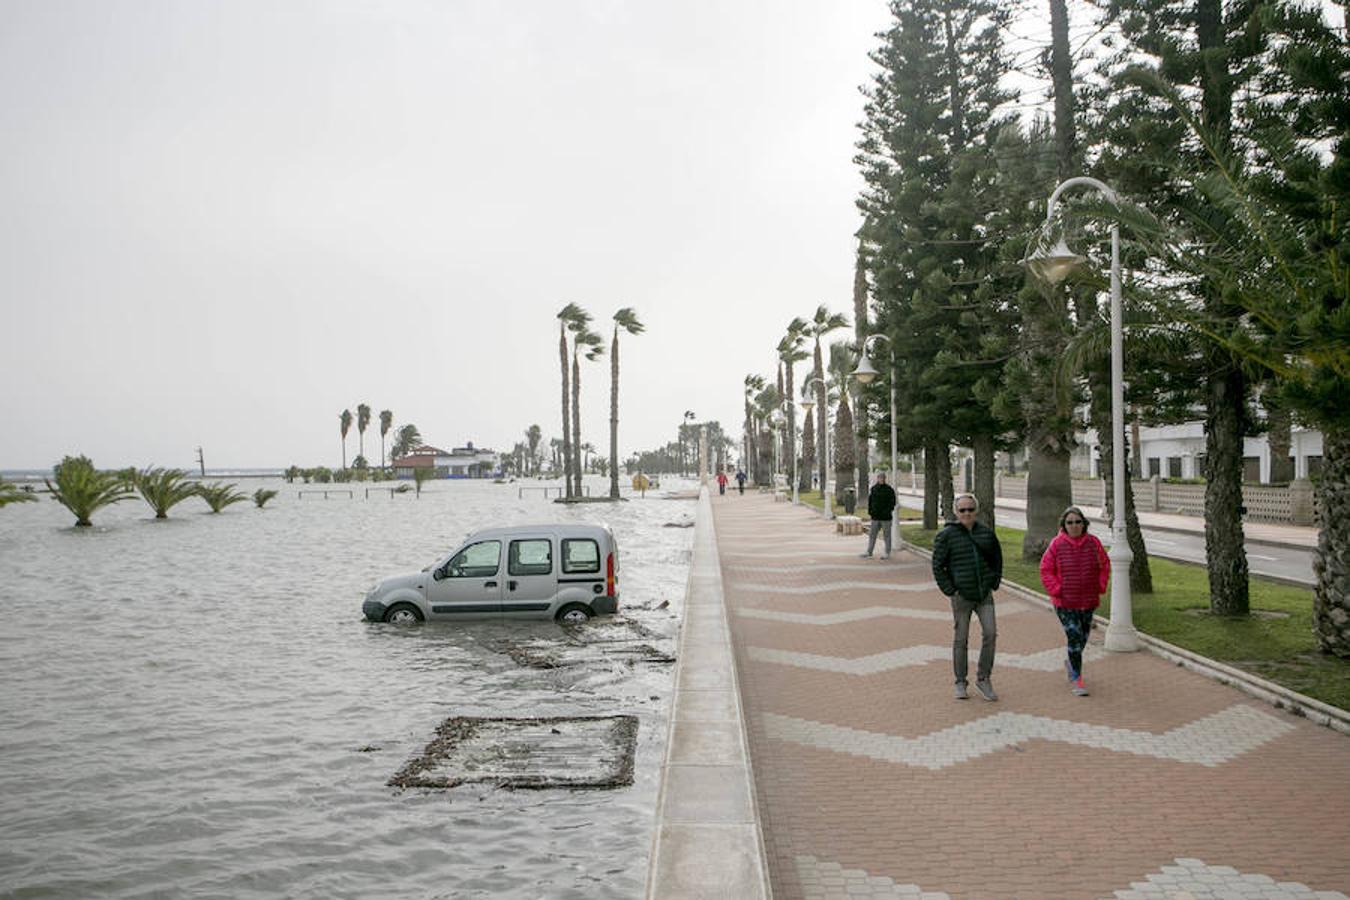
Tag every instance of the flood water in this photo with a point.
(195, 707)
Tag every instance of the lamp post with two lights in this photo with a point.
(866, 373)
(807, 404)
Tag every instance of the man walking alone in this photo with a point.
(880, 508)
(968, 567)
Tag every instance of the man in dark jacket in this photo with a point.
(880, 508)
(968, 566)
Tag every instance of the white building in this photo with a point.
(1178, 451)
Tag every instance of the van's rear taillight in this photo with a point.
(611, 577)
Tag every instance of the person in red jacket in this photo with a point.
(1075, 571)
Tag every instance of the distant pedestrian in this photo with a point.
(880, 509)
(740, 480)
(721, 482)
(1075, 571)
(968, 567)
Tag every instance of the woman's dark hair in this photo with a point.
(1072, 510)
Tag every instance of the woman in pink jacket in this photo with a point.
(1075, 571)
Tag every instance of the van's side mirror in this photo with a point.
(438, 573)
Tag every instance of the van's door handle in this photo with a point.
(511, 585)
(489, 584)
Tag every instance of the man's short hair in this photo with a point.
(956, 501)
(881, 476)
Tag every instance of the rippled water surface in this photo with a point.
(195, 707)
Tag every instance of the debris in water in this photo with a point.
(581, 752)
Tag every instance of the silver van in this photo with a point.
(564, 572)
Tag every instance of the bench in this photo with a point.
(848, 525)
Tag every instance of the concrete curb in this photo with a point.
(708, 843)
(1267, 691)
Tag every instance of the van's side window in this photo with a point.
(532, 557)
(580, 556)
(480, 560)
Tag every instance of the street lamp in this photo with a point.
(1052, 265)
(807, 404)
(792, 450)
(866, 374)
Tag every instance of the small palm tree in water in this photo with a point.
(12, 493)
(219, 496)
(163, 488)
(262, 495)
(84, 490)
(386, 422)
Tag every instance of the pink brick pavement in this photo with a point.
(1049, 811)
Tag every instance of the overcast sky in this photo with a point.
(225, 222)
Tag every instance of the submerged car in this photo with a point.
(564, 572)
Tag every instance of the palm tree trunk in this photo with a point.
(822, 457)
(930, 486)
(984, 477)
(1225, 554)
(576, 422)
(791, 424)
(566, 441)
(944, 479)
(614, 417)
(1331, 560)
(1141, 575)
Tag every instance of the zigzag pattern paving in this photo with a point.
(871, 781)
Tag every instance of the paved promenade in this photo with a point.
(872, 781)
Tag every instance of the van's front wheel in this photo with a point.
(403, 614)
(574, 614)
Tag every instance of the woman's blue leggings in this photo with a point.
(1077, 625)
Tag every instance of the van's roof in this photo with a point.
(553, 529)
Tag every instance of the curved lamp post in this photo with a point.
(807, 405)
(1052, 265)
(792, 445)
(866, 374)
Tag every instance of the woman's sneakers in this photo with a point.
(1075, 680)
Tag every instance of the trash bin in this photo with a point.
(850, 499)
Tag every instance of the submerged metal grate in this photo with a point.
(579, 752)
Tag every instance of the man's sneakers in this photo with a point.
(885, 556)
(961, 692)
(986, 690)
(864, 556)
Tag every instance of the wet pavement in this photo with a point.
(872, 781)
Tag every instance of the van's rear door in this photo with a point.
(531, 577)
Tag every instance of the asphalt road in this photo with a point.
(1281, 563)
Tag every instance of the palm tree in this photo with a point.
(219, 496)
(10, 493)
(533, 435)
(362, 420)
(790, 352)
(843, 360)
(405, 440)
(626, 319)
(386, 422)
(84, 490)
(345, 421)
(594, 348)
(821, 324)
(753, 385)
(163, 488)
(570, 317)
(262, 495)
